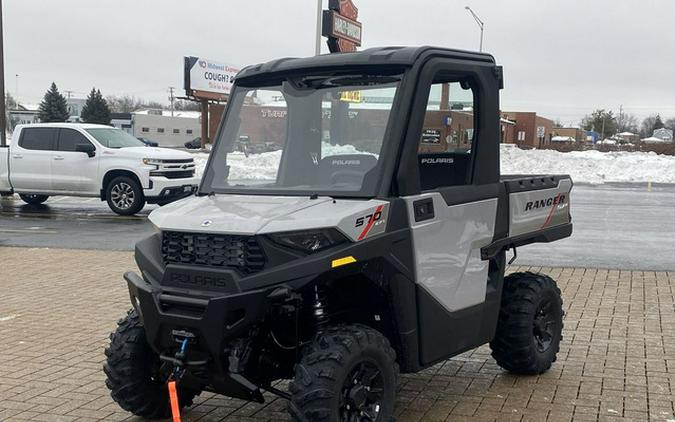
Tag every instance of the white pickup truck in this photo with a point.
(93, 161)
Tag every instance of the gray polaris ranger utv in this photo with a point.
(372, 242)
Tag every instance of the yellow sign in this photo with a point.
(350, 96)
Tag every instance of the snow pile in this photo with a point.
(592, 167)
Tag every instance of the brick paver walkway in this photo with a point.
(617, 360)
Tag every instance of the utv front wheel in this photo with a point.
(33, 199)
(132, 371)
(530, 324)
(348, 373)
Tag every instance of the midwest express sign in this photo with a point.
(208, 76)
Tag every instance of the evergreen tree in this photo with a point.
(96, 109)
(53, 107)
(658, 124)
(601, 121)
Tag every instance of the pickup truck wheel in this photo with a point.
(125, 196)
(348, 373)
(530, 324)
(33, 199)
(133, 376)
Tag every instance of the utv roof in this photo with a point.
(393, 56)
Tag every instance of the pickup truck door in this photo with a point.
(455, 213)
(31, 159)
(73, 171)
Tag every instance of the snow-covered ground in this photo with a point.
(592, 167)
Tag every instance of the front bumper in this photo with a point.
(212, 324)
(161, 187)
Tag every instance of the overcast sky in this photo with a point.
(561, 58)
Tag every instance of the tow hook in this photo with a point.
(174, 378)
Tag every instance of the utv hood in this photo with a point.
(240, 214)
(258, 214)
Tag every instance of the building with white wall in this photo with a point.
(167, 130)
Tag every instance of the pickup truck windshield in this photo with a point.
(114, 138)
(311, 135)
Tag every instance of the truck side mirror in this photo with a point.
(88, 149)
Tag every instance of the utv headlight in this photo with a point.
(309, 241)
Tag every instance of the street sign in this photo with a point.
(339, 24)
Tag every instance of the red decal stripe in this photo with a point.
(371, 221)
(550, 213)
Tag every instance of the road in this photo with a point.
(618, 227)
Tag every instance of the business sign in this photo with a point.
(207, 78)
(431, 136)
(341, 27)
(541, 131)
(351, 96)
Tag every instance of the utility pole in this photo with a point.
(3, 110)
(16, 92)
(171, 99)
(319, 18)
(68, 94)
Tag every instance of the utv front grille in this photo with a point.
(242, 253)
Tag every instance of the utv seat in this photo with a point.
(443, 169)
(348, 169)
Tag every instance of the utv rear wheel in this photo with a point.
(132, 371)
(348, 373)
(124, 196)
(33, 199)
(530, 324)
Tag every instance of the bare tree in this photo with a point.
(129, 104)
(627, 123)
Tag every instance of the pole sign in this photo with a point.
(341, 27)
(206, 78)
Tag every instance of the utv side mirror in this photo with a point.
(88, 149)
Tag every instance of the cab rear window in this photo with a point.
(38, 138)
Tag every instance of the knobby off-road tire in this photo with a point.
(130, 369)
(33, 199)
(530, 324)
(124, 196)
(346, 370)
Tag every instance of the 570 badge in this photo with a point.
(376, 216)
(368, 221)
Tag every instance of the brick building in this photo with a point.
(579, 135)
(530, 129)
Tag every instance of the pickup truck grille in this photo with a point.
(242, 253)
(174, 174)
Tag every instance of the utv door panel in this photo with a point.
(447, 250)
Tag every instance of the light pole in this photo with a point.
(319, 17)
(480, 23)
(16, 91)
(3, 111)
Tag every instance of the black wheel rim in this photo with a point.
(544, 326)
(362, 394)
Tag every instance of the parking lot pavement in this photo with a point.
(617, 360)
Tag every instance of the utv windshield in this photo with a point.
(308, 135)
